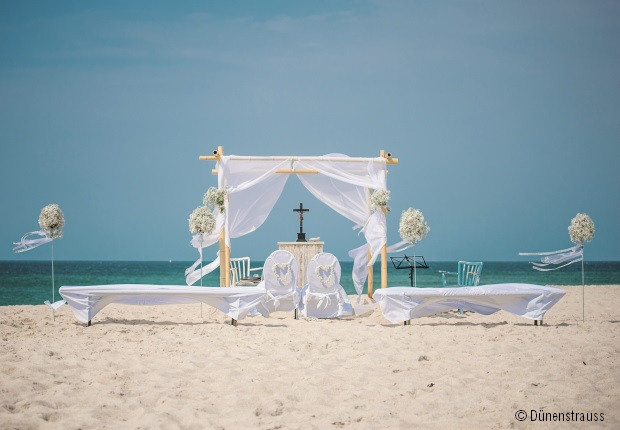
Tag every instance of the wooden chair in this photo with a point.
(240, 268)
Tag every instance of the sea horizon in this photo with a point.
(28, 282)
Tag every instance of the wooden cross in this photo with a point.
(301, 236)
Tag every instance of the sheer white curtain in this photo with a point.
(345, 186)
(254, 187)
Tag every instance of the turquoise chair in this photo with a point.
(467, 276)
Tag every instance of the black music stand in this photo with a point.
(406, 262)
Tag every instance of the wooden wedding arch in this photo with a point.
(225, 250)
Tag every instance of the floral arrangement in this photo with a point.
(201, 221)
(283, 267)
(413, 226)
(581, 229)
(330, 280)
(52, 220)
(215, 197)
(379, 199)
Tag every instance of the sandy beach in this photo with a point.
(166, 367)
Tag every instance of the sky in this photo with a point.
(504, 117)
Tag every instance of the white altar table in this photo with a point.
(303, 252)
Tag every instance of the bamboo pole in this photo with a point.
(371, 275)
(216, 156)
(384, 263)
(224, 271)
(285, 171)
(228, 266)
(222, 258)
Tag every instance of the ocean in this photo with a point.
(30, 283)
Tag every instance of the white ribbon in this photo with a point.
(26, 244)
(553, 258)
(324, 298)
(192, 273)
(276, 298)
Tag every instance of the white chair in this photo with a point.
(280, 274)
(239, 269)
(323, 296)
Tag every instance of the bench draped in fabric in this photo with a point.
(86, 302)
(400, 304)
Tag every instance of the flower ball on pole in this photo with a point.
(51, 221)
(581, 230)
(413, 228)
(202, 222)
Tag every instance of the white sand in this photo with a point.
(165, 367)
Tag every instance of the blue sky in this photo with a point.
(504, 116)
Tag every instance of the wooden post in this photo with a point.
(222, 258)
(228, 266)
(370, 277)
(224, 250)
(384, 263)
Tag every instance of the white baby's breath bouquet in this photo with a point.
(52, 220)
(215, 197)
(413, 226)
(201, 221)
(379, 199)
(581, 229)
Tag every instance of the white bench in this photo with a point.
(86, 302)
(401, 304)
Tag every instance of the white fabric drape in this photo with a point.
(26, 244)
(404, 303)
(253, 189)
(86, 302)
(553, 260)
(345, 186)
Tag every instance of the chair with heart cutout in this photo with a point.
(323, 296)
(280, 273)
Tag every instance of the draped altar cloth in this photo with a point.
(400, 304)
(86, 302)
(342, 183)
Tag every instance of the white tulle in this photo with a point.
(555, 260)
(26, 244)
